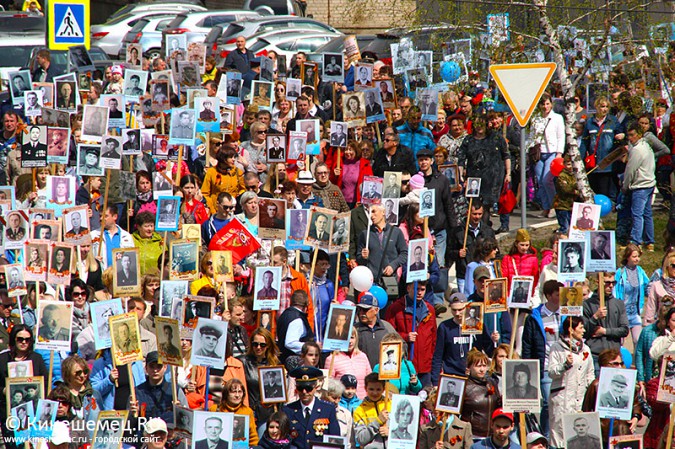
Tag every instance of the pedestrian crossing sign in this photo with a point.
(68, 24)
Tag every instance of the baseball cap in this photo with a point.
(533, 437)
(457, 297)
(305, 177)
(425, 152)
(501, 413)
(155, 425)
(367, 301)
(152, 357)
(349, 381)
(481, 273)
(60, 433)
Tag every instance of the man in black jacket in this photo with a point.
(392, 156)
(457, 253)
(291, 340)
(439, 223)
(239, 58)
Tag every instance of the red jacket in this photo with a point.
(365, 169)
(527, 265)
(426, 333)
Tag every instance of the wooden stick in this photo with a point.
(339, 157)
(311, 282)
(466, 228)
(180, 163)
(101, 237)
(174, 384)
(34, 171)
(601, 288)
(337, 277)
(445, 426)
(671, 425)
(297, 260)
(131, 385)
(426, 227)
(130, 203)
(206, 389)
(51, 368)
(522, 427)
(332, 363)
(513, 340)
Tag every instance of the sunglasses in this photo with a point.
(264, 131)
(305, 387)
(405, 181)
(228, 207)
(255, 344)
(610, 282)
(22, 340)
(78, 294)
(81, 372)
(672, 265)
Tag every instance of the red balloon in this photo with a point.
(557, 166)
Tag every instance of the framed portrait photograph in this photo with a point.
(391, 209)
(54, 117)
(33, 103)
(472, 319)
(184, 260)
(298, 145)
(266, 319)
(311, 128)
(116, 108)
(266, 69)
(354, 108)
(666, 391)
(293, 88)
(473, 187)
(451, 171)
(111, 152)
(34, 147)
(194, 94)
(23, 368)
(572, 300)
(450, 394)
(94, 122)
(496, 291)
(585, 217)
(20, 83)
(582, 430)
(416, 79)
(387, 92)
(183, 125)
(196, 307)
(232, 82)
(126, 272)
(61, 191)
(261, 94)
(126, 338)
(374, 108)
(160, 146)
(135, 83)
(208, 343)
(16, 229)
(226, 120)
(206, 426)
(45, 414)
(131, 142)
(392, 185)
(109, 430)
(23, 390)
(168, 291)
(333, 67)
(58, 140)
(208, 119)
(338, 134)
(272, 218)
(318, 231)
(272, 385)
(521, 292)
(182, 421)
(427, 203)
(390, 360)
(626, 442)
(371, 190)
(428, 104)
(276, 148)
(222, 266)
(7, 194)
(54, 325)
(16, 281)
(521, 386)
(571, 261)
(46, 93)
(309, 73)
(363, 74)
(296, 228)
(134, 55)
(160, 93)
(600, 251)
(339, 328)
(101, 311)
(188, 74)
(76, 221)
(267, 288)
(339, 234)
(404, 420)
(168, 213)
(192, 232)
(60, 263)
(615, 393)
(418, 256)
(23, 416)
(89, 160)
(167, 331)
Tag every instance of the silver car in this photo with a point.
(148, 33)
(109, 35)
(291, 43)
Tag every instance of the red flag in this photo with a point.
(236, 238)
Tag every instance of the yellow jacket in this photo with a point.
(215, 182)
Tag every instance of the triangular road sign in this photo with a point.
(522, 86)
(69, 26)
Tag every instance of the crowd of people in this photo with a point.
(227, 177)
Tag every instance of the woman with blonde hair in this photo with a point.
(481, 394)
(353, 361)
(206, 276)
(408, 383)
(631, 286)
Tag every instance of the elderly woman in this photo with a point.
(440, 127)
(148, 241)
(256, 148)
(250, 204)
(225, 176)
(331, 392)
(353, 361)
(485, 155)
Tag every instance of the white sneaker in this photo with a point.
(551, 213)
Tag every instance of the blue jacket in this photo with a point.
(452, 348)
(350, 404)
(100, 378)
(534, 338)
(486, 443)
(59, 356)
(504, 325)
(621, 281)
(590, 135)
(403, 383)
(416, 139)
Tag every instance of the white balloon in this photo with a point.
(361, 278)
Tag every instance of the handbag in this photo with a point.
(534, 152)
(590, 161)
(507, 200)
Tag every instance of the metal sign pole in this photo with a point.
(523, 180)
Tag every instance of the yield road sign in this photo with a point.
(68, 24)
(522, 86)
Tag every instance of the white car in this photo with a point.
(290, 44)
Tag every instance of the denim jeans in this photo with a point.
(641, 210)
(441, 242)
(545, 393)
(460, 284)
(546, 190)
(504, 220)
(564, 217)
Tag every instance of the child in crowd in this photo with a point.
(372, 414)
(565, 193)
(349, 399)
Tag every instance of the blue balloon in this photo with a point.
(450, 71)
(381, 295)
(604, 203)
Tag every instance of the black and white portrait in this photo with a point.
(76, 225)
(109, 430)
(261, 94)
(363, 76)
(571, 260)
(135, 83)
(272, 218)
(33, 103)
(167, 331)
(168, 292)
(272, 385)
(168, 212)
(472, 319)
(333, 67)
(338, 134)
(391, 210)
(319, 227)
(392, 185)
(211, 430)
(339, 238)
(404, 419)
(267, 288)
(21, 390)
(60, 263)
(585, 217)
(101, 311)
(616, 393)
(339, 327)
(428, 104)
(16, 282)
(89, 160)
(374, 108)
(354, 108)
(371, 190)
(310, 75)
(297, 224)
(20, 83)
(427, 202)
(184, 256)
(58, 141)
(521, 385)
(195, 308)
(521, 290)
(390, 360)
(182, 126)
(293, 88)
(111, 152)
(16, 230)
(450, 394)
(54, 325)
(601, 251)
(297, 146)
(125, 270)
(473, 187)
(208, 343)
(233, 87)
(582, 430)
(94, 122)
(188, 74)
(34, 147)
(416, 267)
(276, 148)
(182, 420)
(266, 69)
(116, 111)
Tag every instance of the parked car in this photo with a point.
(196, 25)
(148, 33)
(274, 7)
(159, 6)
(109, 35)
(290, 44)
(337, 45)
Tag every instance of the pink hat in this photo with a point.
(117, 69)
(417, 182)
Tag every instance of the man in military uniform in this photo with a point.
(209, 337)
(59, 143)
(90, 166)
(133, 89)
(50, 328)
(582, 439)
(167, 348)
(272, 385)
(311, 418)
(124, 342)
(183, 129)
(207, 115)
(585, 223)
(390, 364)
(111, 149)
(449, 397)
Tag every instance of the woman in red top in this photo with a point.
(192, 210)
(349, 176)
(522, 259)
